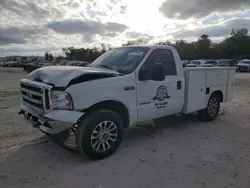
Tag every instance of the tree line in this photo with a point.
(236, 46)
(48, 56)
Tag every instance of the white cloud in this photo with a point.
(135, 35)
(85, 26)
(182, 9)
(217, 30)
(33, 26)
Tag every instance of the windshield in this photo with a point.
(123, 60)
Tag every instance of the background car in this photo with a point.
(244, 65)
(227, 63)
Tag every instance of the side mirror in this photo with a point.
(158, 72)
(145, 74)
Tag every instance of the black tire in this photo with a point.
(212, 110)
(86, 128)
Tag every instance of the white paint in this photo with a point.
(64, 115)
(146, 90)
(230, 85)
(86, 94)
(200, 78)
(61, 75)
(139, 101)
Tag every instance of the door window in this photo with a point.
(165, 57)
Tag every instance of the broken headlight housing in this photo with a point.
(61, 100)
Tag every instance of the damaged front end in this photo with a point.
(50, 111)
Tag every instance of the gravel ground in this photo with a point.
(179, 152)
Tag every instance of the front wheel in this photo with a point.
(99, 134)
(212, 110)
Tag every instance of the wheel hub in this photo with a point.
(104, 136)
(213, 107)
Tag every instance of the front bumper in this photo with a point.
(53, 122)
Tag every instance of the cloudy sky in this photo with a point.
(30, 27)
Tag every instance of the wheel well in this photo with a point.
(220, 94)
(115, 106)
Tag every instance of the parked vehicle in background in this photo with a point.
(227, 63)
(191, 65)
(12, 64)
(5, 64)
(123, 87)
(47, 63)
(243, 66)
(185, 63)
(209, 63)
(22, 64)
(29, 67)
(203, 63)
(74, 63)
(2, 63)
(9, 63)
(83, 64)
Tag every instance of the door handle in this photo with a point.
(178, 85)
(127, 88)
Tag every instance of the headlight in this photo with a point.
(61, 100)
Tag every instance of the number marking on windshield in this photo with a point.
(135, 53)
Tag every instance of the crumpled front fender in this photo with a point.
(60, 120)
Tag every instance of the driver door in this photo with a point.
(160, 98)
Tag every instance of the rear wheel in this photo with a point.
(100, 134)
(213, 107)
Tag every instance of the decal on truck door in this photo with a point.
(161, 95)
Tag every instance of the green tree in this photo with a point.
(51, 58)
(203, 47)
(59, 58)
(186, 50)
(239, 32)
(46, 55)
(236, 46)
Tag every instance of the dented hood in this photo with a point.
(60, 76)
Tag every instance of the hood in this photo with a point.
(61, 76)
(243, 64)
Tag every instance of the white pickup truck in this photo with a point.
(123, 87)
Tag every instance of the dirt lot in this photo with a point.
(180, 152)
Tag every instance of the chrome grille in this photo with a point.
(36, 94)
